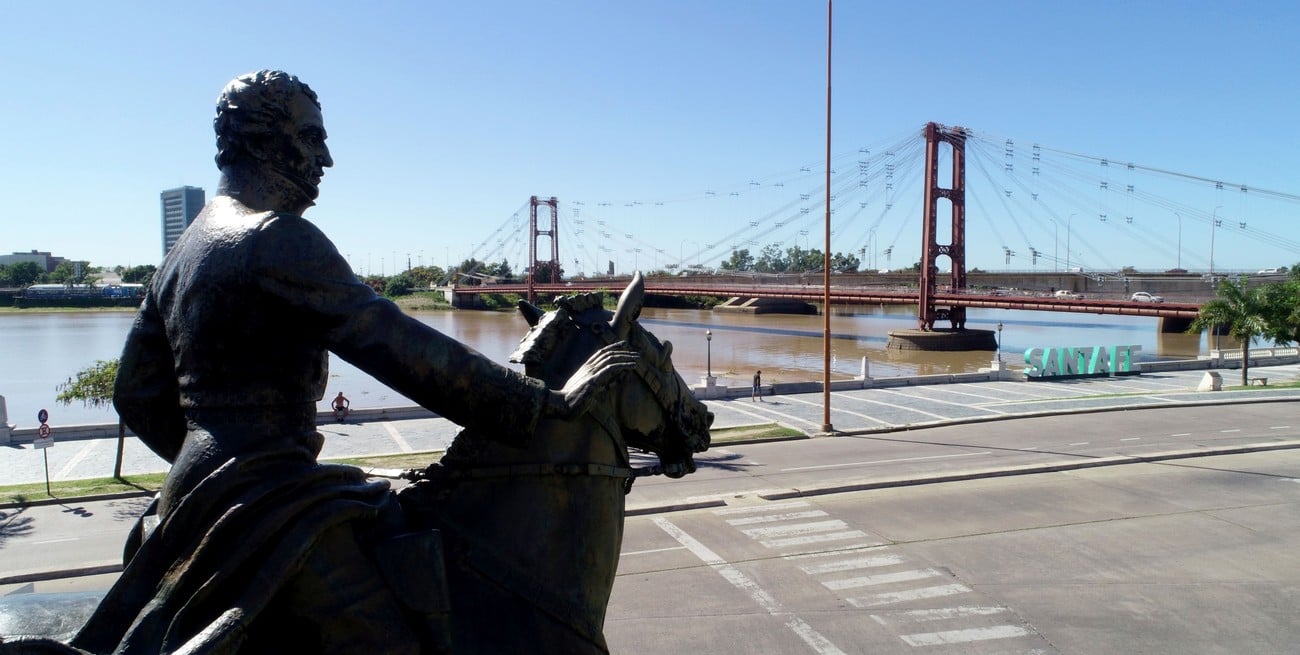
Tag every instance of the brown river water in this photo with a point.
(38, 351)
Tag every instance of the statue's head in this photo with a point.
(270, 134)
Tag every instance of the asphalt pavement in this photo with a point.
(858, 411)
(881, 413)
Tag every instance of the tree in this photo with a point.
(501, 270)
(841, 263)
(398, 285)
(1246, 313)
(547, 272)
(740, 260)
(70, 272)
(141, 274)
(771, 260)
(23, 274)
(93, 386)
(805, 259)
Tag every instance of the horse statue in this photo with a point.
(530, 536)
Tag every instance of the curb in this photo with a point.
(981, 474)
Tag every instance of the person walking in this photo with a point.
(758, 387)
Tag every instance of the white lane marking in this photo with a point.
(941, 614)
(1079, 443)
(1131, 439)
(964, 636)
(852, 564)
(1182, 434)
(398, 438)
(55, 541)
(795, 529)
(837, 552)
(910, 594)
(883, 461)
(882, 578)
(653, 550)
(841, 410)
(815, 539)
(772, 518)
(1228, 431)
(953, 389)
(80, 457)
(929, 399)
(892, 406)
(767, 414)
(818, 643)
(1280, 427)
(754, 509)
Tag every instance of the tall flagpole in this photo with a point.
(826, 263)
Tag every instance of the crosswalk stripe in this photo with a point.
(795, 529)
(882, 578)
(910, 594)
(852, 564)
(755, 509)
(813, 539)
(773, 518)
(965, 636)
(940, 614)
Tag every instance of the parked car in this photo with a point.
(1143, 296)
(1066, 294)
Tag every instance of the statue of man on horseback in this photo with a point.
(251, 545)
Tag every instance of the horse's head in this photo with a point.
(654, 407)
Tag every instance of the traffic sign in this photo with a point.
(45, 440)
(42, 416)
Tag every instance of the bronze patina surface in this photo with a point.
(252, 546)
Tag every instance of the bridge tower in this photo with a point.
(533, 233)
(931, 249)
(927, 336)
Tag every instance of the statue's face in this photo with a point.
(302, 156)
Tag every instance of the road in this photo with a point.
(1189, 555)
(1196, 556)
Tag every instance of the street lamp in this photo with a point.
(999, 341)
(1214, 221)
(708, 357)
(1067, 242)
(1180, 240)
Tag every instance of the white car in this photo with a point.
(1066, 294)
(1143, 296)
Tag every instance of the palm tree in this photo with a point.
(1244, 312)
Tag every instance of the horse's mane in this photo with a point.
(541, 341)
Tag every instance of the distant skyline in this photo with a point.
(444, 118)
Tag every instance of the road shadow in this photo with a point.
(130, 509)
(14, 523)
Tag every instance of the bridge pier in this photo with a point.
(765, 306)
(942, 339)
(1174, 325)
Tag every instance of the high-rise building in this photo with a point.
(179, 207)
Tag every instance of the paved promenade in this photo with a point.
(859, 411)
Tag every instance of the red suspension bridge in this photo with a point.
(1096, 214)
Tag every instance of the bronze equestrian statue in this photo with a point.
(252, 546)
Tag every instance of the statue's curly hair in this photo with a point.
(251, 107)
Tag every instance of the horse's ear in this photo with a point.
(532, 313)
(629, 306)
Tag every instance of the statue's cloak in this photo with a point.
(199, 579)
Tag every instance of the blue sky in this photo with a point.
(445, 117)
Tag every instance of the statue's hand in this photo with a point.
(596, 375)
